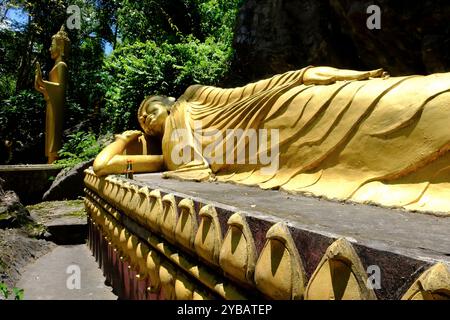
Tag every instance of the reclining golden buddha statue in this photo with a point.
(339, 134)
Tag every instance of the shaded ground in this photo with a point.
(47, 277)
(17, 250)
(20, 246)
(66, 273)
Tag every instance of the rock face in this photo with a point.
(65, 221)
(12, 213)
(17, 251)
(29, 182)
(273, 36)
(68, 185)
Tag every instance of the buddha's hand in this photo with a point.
(38, 73)
(129, 135)
(38, 68)
(38, 81)
(39, 84)
(328, 75)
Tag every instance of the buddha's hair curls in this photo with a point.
(167, 102)
(62, 39)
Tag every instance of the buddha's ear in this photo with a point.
(170, 101)
(141, 107)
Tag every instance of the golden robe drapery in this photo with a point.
(380, 141)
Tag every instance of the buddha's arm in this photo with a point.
(39, 84)
(118, 163)
(49, 83)
(61, 77)
(112, 161)
(328, 75)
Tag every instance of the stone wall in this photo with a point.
(273, 36)
(30, 182)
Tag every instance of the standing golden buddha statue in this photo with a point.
(54, 92)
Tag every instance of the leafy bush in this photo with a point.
(7, 86)
(85, 92)
(22, 114)
(80, 147)
(129, 74)
(6, 292)
(218, 18)
(22, 119)
(171, 20)
(141, 69)
(200, 63)
(184, 42)
(160, 47)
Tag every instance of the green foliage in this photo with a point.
(160, 47)
(22, 118)
(167, 46)
(22, 110)
(172, 20)
(218, 18)
(200, 62)
(7, 86)
(6, 292)
(8, 63)
(160, 21)
(129, 74)
(18, 293)
(85, 91)
(141, 69)
(81, 146)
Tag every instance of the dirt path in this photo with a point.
(17, 250)
(46, 270)
(66, 273)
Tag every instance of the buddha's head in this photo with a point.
(153, 113)
(60, 45)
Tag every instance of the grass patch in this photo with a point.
(75, 203)
(38, 206)
(35, 230)
(46, 211)
(79, 214)
(51, 205)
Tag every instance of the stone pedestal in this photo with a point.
(216, 240)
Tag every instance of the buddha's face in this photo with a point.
(152, 118)
(55, 50)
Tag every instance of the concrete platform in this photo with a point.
(66, 221)
(401, 245)
(415, 235)
(47, 278)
